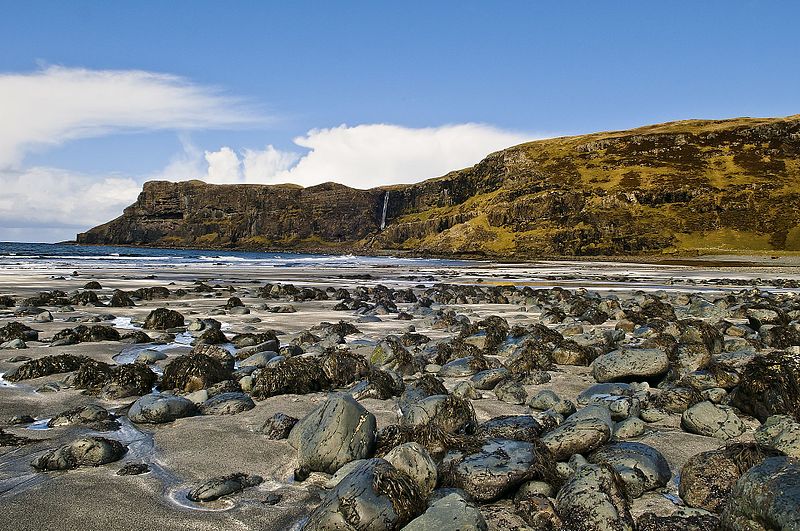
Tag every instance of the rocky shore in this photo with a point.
(419, 399)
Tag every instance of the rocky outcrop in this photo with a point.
(681, 186)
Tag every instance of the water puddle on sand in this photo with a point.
(39, 425)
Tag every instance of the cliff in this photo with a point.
(726, 185)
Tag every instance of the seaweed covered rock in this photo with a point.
(157, 409)
(45, 367)
(338, 431)
(641, 467)
(767, 496)
(193, 372)
(449, 512)
(707, 478)
(308, 374)
(151, 294)
(379, 384)
(413, 460)
(680, 520)
(374, 496)
(114, 382)
(495, 467)
(15, 330)
(450, 413)
(85, 334)
(90, 451)
(120, 299)
(530, 355)
(163, 319)
(770, 385)
(593, 499)
(218, 487)
(391, 354)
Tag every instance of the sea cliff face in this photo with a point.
(674, 187)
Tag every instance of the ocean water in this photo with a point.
(15, 255)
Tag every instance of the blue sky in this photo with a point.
(523, 69)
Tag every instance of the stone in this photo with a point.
(14, 344)
(218, 487)
(770, 385)
(157, 409)
(278, 426)
(227, 404)
(413, 460)
(681, 520)
(193, 372)
(44, 317)
(133, 469)
(338, 431)
(150, 356)
(582, 432)
(488, 379)
(450, 413)
(781, 433)
(163, 319)
(711, 420)
(259, 359)
(449, 512)
(640, 466)
(496, 467)
(544, 400)
(630, 364)
(537, 511)
(91, 415)
(45, 366)
(516, 427)
(89, 451)
(766, 496)
(374, 496)
(629, 428)
(511, 392)
(593, 499)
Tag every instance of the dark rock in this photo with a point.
(85, 334)
(193, 372)
(9, 439)
(278, 426)
(133, 469)
(45, 367)
(120, 299)
(449, 512)
(582, 432)
(163, 319)
(96, 417)
(218, 487)
(15, 330)
(512, 427)
(227, 404)
(151, 294)
(770, 385)
(678, 521)
(90, 451)
(641, 467)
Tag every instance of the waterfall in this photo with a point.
(385, 208)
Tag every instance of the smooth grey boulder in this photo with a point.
(640, 466)
(604, 389)
(259, 359)
(629, 428)
(375, 496)
(620, 407)
(157, 409)
(780, 432)
(227, 404)
(711, 420)
(494, 469)
(218, 487)
(766, 497)
(593, 499)
(413, 460)
(582, 432)
(150, 356)
(458, 368)
(449, 512)
(544, 400)
(338, 431)
(630, 364)
(90, 451)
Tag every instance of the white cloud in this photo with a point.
(57, 104)
(363, 156)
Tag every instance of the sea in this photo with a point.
(16, 255)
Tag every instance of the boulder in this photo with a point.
(780, 433)
(227, 404)
(449, 512)
(218, 487)
(640, 466)
(278, 426)
(770, 385)
(163, 319)
(45, 366)
(767, 496)
(582, 432)
(90, 451)
(338, 431)
(711, 420)
(593, 499)
(634, 364)
(374, 496)
(193, 372)
(413, 460)
(157, 409)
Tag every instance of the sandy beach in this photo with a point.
(189, 451)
